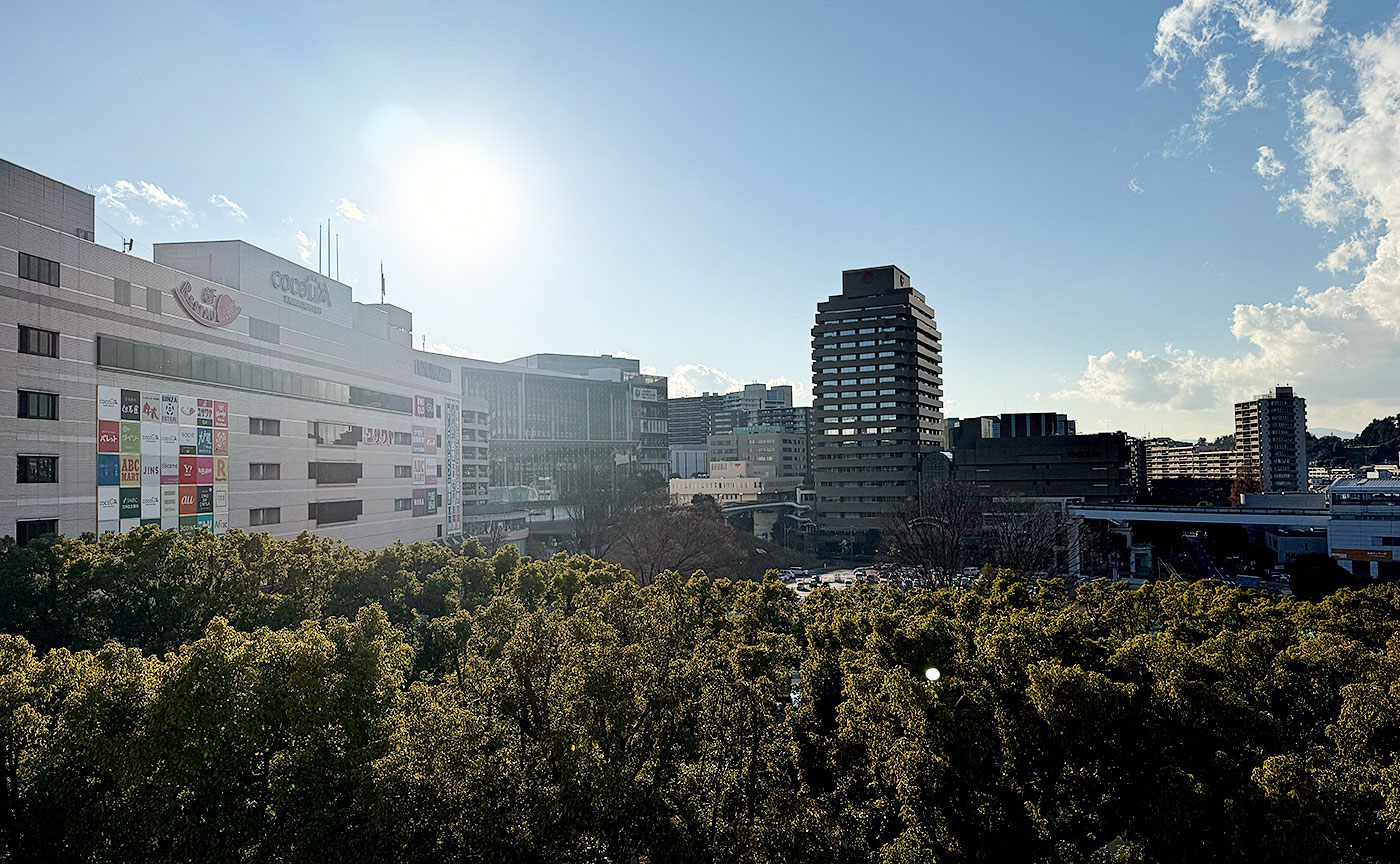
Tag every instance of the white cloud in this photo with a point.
(304, 246)
(1219, 99)
(692, 379)
(1349, 252)
(1268, 165)
(1191, 29)
(222, 201)
(350, 210)
(129, 200)
(1133, 186)
(1339, 346)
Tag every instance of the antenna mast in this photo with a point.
(381, 281)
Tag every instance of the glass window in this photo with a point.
(43, 343)
(38, 406)
(36, 469)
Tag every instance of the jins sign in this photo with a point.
(305, 293)
(210, 308)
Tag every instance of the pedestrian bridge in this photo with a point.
(1282, 517)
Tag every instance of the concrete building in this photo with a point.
(877, 383)
(1096, 468)
(1178, 472)
(646, 402)
(768, 450)
(1364, 530)
(1022, 425)
(687, 460)
(176, 391)
(1288, 544)
(1271, 431)
(734, 483)
(217, 386)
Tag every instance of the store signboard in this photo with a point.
(156, 461)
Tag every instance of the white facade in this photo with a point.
(1363, 534)
(330, 421)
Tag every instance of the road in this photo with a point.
(1202, 560)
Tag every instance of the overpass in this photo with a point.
(1283, 517)
(767, 513)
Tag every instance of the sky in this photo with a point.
(1134, 213)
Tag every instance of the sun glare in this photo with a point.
(446, 186)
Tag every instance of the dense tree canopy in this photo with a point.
(1378, 443)
(244, 698)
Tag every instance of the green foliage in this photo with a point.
(243, 698)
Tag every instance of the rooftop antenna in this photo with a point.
(337, 257)
(381, 282)
(329, 246)
(126, 245)
(318, 248)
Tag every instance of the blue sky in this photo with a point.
(1078, 189)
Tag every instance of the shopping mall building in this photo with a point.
(189, 391)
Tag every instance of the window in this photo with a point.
(264, 516)
(43, 343)
(332, 512)
(403, 472)
(36, 469)
(37, 269)
(121, 292)
(402, 504)
(28, 529)
(38, 406)
(334, 472)
(263, 426)
(264, 471)
(153, 301)
(333, 434)
(403, 439)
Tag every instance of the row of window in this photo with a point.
(132, 356)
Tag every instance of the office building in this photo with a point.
(692, 419)
(877, 383)
(1271, 431)
(768, 450)
(1096, 468)
(735, 483)
(1022, 425)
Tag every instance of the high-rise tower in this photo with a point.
(877, 389)
(1272, 431)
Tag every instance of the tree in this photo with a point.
(1023, 534)
(679, 540)
(1248, 481)
(936, 531)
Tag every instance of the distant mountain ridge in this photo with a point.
(1323, 431)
